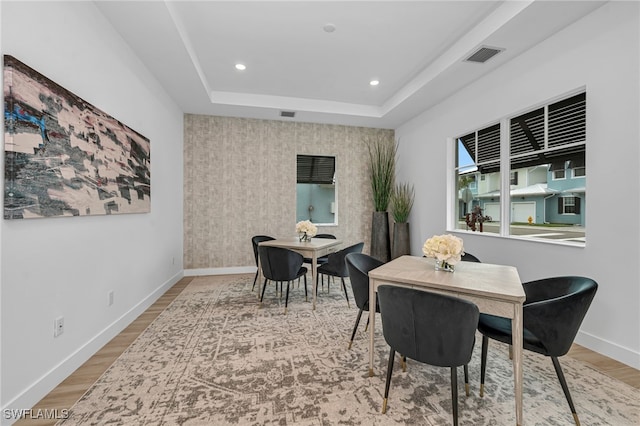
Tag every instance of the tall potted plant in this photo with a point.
(382, 156)
(401, 204)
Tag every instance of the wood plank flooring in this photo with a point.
(72, 388)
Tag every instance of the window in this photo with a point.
(569, 205)
(545, 190)
(478, 162)
(315, 189)
(513, 178)
(578, 168)
(558, 174)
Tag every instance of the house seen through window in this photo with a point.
(544, 190)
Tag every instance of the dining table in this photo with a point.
(313, 249)
(495, 289)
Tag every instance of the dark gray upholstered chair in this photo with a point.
(359, 265)
(280, 265)
(337, 267)
(468, 257)
(431, 328)
(255, 240)
(322, 259)
(551, 314)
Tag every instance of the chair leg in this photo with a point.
(565, 388)
(254, 281)
(483, 362)
(454, 394)
(264, 287)
(392, 355)
(404, 364)
(355, 327)
(367, 326)
(306, 298)
(286, 300)
(344, 287)
(466, 379)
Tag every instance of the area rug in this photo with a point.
(216, 357)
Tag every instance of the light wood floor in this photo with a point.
(72, 389)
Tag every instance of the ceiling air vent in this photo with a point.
(483, 54)
(290, 114)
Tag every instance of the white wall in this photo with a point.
(66, 266)
(601, 52)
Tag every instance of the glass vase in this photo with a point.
(304, 238)
(443, 265)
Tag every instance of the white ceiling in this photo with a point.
(414, 48)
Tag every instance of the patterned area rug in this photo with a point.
(215, 357)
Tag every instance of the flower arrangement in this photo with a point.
(447, 249)
(306, 229)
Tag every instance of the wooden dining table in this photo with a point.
(495, 289)
(313, 249)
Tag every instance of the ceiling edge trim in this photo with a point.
(459, 50)
(186, 41)
(295, 104)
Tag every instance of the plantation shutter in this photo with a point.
(566, 126)
(316, 169)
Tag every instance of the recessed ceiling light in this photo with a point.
(241, 67)
(374, 82)
(329, 28)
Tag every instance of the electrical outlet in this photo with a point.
(110, 298)
(58, 326)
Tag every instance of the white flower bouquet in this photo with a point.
(447, 249)
(306, 229)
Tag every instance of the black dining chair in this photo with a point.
(322, 259)
(552, 314)
(336, 266)
(431, 328)
(468, 257)
(255, 240)
(359, 265)
(280, 265)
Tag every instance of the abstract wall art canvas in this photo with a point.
(65, 157)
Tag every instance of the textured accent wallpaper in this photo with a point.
(240, 181)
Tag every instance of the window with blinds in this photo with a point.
(552, 134)
(316, 169)
(546, 190)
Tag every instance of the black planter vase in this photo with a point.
(380, 241)
(401, 244)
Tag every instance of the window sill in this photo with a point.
(559, 242)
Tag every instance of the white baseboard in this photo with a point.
(57, 374)
(220, 271)
(604, 347)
